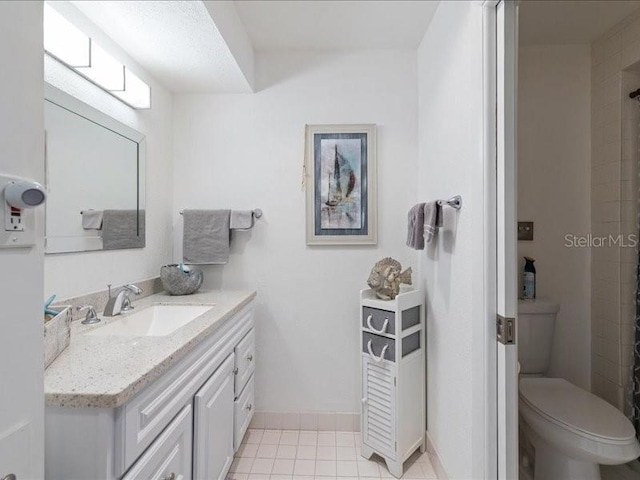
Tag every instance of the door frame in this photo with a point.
(500, 186)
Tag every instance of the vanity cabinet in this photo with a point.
(185, 424)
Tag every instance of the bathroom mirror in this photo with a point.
(95, 176)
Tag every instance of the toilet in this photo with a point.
(572, 431)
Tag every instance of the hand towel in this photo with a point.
(432, 220)
(415, 231)
(123, 229)
(92, 219)
(241, 220)
(205, 237)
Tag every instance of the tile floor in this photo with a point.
(312, 455)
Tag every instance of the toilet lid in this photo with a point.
(580, 411)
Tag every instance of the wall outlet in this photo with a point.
(525, 231)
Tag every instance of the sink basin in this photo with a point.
(153, 321)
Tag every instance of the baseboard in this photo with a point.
(323, 421)
(436, 461)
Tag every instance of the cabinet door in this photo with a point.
(213, 435)
(379, 406)
(169, 456)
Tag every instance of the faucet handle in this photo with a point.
(91, 317)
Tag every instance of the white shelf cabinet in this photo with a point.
(393, 377)
(185, 425)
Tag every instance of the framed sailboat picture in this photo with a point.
(341, 189)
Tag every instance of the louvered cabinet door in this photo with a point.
(379, 406)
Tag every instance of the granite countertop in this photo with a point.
(106, 371)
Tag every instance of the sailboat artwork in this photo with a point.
(341, 189)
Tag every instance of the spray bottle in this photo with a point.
(529, 279)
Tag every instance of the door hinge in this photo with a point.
(506, 330)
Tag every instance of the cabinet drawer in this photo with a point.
(377, 346)
(380, 321)
(245, 354)
(169, 456)
(243, 413)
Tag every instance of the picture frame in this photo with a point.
(341, 188)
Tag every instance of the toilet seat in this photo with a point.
(576, 409)
(576, 421)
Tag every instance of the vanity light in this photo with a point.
(64, 42)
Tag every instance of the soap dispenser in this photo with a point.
(529, 279)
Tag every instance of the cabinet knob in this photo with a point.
(249, 407)
(250, 357)
(171, 476)
(9, 476)
(235, 371)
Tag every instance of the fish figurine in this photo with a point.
(386, 277)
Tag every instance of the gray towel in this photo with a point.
(241, 220)
(92, 219)
(205, 237)
(415, 231)
(432, 220)
(120, 229)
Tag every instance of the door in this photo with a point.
(213, 434)
(506, 245)
(379, 405)
(21, 280)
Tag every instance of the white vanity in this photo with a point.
(168, 406)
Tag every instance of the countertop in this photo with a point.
(106, 371)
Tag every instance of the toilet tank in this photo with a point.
(536, 321)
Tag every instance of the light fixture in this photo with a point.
(67, 44)
(64, 41)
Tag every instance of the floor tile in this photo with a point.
(346, 469)
(266, 451)
(262, 466)
(302, 477)
(289, 438)
(304, 467)
(345, 439)
(242, 465)
(286, 451)
(271, 437)
(325, 468)
(247, 450)
(413, 471)
(254, 436)
(368, 469)
(257, 476)
(346, 453)
(327, 439)
(308, 438)
(283, 467)
(367, 478)
(428, 471)
(280, 477)
(237, 476)
(306, 452)
(326, 453)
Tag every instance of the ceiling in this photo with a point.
(335, 25)
(544, 22)
(175, 41)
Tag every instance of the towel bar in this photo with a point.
(455, 202)
(256, 212)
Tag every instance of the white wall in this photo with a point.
(75, 274)
(452, 270)
(246, 151)
(554, 183)
(21, 137)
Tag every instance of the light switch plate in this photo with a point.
(525, 231)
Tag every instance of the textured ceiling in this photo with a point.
(175, 41)
(544, 22)
(335, 25)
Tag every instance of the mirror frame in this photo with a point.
(74, 105)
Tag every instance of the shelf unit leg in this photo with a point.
(395, 468)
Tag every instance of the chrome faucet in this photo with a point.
(122, 302)
(126, 300)
(91, 317)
